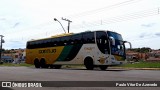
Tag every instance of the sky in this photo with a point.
(138, 21)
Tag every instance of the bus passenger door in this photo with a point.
(102, 42)
(104, 48)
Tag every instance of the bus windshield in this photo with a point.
(115, 35)
(118, 47)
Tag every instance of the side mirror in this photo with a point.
(112, 40)
(128, 43)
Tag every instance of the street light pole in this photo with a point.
(60, 24)
(2, 41)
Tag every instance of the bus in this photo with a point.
(101, 48)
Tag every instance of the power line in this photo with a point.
(103, 9)
(126, 17)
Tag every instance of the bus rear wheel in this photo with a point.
(103, 67)
(37, 63)
(88, 62)
(43, 63)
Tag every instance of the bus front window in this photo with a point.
(117, 45)
(118, 49)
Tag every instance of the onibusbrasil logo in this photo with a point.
(21, 84)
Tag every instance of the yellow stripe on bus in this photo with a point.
(49, 54)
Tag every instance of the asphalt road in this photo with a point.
(33, 74)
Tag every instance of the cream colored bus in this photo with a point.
(92, 49)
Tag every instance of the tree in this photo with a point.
(141, 50)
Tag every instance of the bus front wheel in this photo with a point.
(88, 62)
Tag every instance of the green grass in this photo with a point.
(16, 65)
(129, 65)
(142, 65)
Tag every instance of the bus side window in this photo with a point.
(48, 43)
(68, 40)
(82, 41)
(101, 38)
(71, 40)
(60, 42)
(52, 42)
(33, 44)
(42, 44)
(76, 39)
(29, 45)
(36, 44)
(89, 37)
(65, 40)
(55, 41)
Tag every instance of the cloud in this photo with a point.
(148, 25)
(14, 44)
(16, 24)
(149, 34)
(2, 19)
(157, 34)
(143, 35)
(8, 22)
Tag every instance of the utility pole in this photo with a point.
(69, 21)
(2, 41)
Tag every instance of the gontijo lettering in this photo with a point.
(47, 51)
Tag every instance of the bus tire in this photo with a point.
(43, 63)
(36, 63)
(88, 62)
(103, 67)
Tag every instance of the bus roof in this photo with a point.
(67, 34)
(55, 36)
(61, 35)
